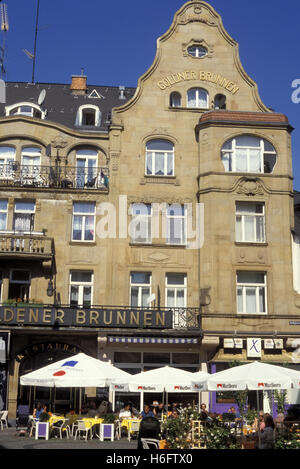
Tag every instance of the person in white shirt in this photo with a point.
(125, 413)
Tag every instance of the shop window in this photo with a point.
(159, 358)
(176, 220)
(140, 289)
(7, 162)
(250, 222)
(251, 293)
(140, 226)
(24, 213)
(159, 158)
(81, 289)
(19, 285)
(3, 214)
(84, 214)
(198, 98)
(127, 357)
(248, 154)
(175, 99)
(185, 358)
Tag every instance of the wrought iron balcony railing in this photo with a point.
(57, 177)
(29, 245)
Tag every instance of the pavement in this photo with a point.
(9, 439)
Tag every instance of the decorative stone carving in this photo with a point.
(251, 255)
(59, 142)
(250, 187)
(196, 13)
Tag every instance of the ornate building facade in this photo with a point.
(148, 226)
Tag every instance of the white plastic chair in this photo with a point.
(3, 419)
(33, 427)
(150, 443)
(117, 430)
(133, 428)
(82, 428)
(63, 427)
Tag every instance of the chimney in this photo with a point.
(78, 85)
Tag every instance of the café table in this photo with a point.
(127, 423)
(93, 422)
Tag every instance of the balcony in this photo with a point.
(30, 246)
(54, 177)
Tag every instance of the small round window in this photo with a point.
(197, 51)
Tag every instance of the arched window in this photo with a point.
(220, 101)
(25, 109)
(248, 154)
(89, 116)
(197, 51)
(175, 99)
(160, 158)
(198, 98)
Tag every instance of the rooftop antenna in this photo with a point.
(35, 39)
(4, 29)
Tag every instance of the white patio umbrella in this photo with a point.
(254, 376)
(77, 371)
(165, 379)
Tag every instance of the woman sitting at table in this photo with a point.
(266, 436)
(37, 411)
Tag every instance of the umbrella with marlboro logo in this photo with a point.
(254, 377)
(161, 379)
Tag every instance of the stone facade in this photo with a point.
(195, 98)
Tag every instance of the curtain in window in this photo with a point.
(23, 222)
(159, 163)
(192, 101)
(251, 300)
(149, 163)
(89, 228)
(255, 161)
(202, 99)
(2, 221)
(77, 227)
(241, 162)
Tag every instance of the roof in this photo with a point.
(62, 105)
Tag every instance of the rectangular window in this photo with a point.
(176, 224)
(7, 162)
(84, 214)
(140, 226)
(176, 297)
(81, 289)
(140, 289)
(19, 285)
(24, 212)
(250, 223)
(3, 214)
(252, 293)
(86, 167)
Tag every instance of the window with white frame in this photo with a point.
(84, 215)
(160, 158)
(7, 162)
(140, 289)
(26, 109)
(252, 292)
(248, 154)
(250, 222)
(88, 115)
(141, 223)
(3, 214)
(176, 224)
(176, 290)
(31, 163)
(86, 166)
(81, 288)
(24, 213)
(198, 98)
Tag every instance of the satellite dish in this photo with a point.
(42, 97)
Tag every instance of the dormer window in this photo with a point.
(25, 109)
(88, 116)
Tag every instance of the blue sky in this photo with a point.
(115, 43)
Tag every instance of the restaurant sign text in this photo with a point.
(73, 317)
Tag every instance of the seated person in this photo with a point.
(174, 414)
(125, 413)
(37, 411)
(133, 410)
(160, 410)
(92, 412)
(149, 428)
(147, 412)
